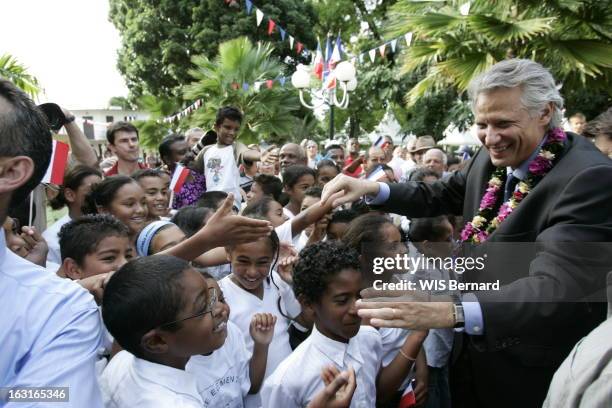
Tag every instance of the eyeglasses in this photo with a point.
(209, 309)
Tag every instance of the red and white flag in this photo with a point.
(178, 178)
(318, 62)
(57, 166)
(408, 399)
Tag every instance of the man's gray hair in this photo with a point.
(537, 83)
(438, 152)
(192, 131)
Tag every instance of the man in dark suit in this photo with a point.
(515, 337)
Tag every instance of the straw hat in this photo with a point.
(423, 143)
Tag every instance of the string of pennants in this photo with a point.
(273, 26)
(300, 49)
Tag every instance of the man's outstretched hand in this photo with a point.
(353, 189)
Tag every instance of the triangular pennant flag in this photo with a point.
(382, 49)
(245, 86)
(282, 33)
(408, 37)
(361, 58)
(465, 9)
(249, 6)
(259, 15)
(299, 47)
(269, 83)
(372, 53)
(257, 85)
(282, 80)
(336, 53)
(393, 44)
(318, 62)
(291, 39)
(271, 25)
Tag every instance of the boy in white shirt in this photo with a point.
(157, 308)
(219, 162)
(327, 280)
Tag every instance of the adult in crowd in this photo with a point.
(292, 154)
(123, 142)
(335, 153)
(312, 152)
(193, 136)
(375, 156)
(600, 131)
(421, 146)
(517, 336)
(52, 326)
(436, 160)
(354, 160)
(577, 122)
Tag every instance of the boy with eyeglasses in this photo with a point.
(162, 312)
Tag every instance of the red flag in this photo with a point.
(318, 62)
(178, 178)
(269, 83)
(57, 165)
(299, 47)
(408, 399)
(271, 25)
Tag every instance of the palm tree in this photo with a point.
(573, 38)
(18, 75)
(219, 82)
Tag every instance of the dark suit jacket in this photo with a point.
(524, 342)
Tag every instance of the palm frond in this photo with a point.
(499, 31)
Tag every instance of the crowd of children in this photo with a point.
(268, 320)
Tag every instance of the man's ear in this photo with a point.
(15, 172)
(71, 269)
(69, 195)
(111, 147)
(546, 114)
(307, 306)
(154, 343)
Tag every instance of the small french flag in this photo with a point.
(376, 174)
(408, 399)
(178, 178)
(381, 142)
(57, 165)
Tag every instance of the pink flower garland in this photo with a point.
(482, 225)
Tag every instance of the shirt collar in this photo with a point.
(521, 171)
(336, 350)
(178, 381)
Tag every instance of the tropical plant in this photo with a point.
(241, 75)
(15, 72)
(571, 37)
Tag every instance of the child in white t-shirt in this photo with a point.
(296, 180)
(219, 162)
(327, 280)
(162, 312)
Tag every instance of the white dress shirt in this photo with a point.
(298, 379)
(51, 331)
(50, 235)
(129, 381)
(223, 376)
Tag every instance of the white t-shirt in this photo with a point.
(284, 232)
(50, 235)
(221, 171)
(244, 305)
(298, 378)
(288, 213)
(128, 381)
(223, 376)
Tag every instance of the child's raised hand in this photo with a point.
(338, 391)
(288, 256)
(262, 328)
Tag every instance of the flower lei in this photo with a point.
(484, 223)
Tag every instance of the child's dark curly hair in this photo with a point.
(318, 264)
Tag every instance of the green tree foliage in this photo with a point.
(570, 37)
(160, 37)
(268, 112)
(15, 72)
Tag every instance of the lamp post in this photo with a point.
(345, 79)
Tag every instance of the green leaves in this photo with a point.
(18, 75)
(499, 31)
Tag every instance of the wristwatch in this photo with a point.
(458, 315)
(69, 119)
